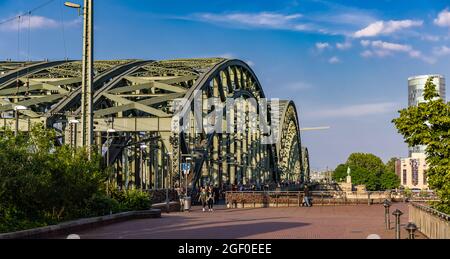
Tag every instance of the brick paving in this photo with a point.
(319, 222)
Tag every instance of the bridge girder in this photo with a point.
(138, 100)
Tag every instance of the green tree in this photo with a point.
(340, 173)
(369, 162)
(368, 170)
(429, 124)
(390, 165)
(389, 180)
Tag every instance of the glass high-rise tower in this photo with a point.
(416, 88)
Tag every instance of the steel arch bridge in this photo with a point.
(137, 105)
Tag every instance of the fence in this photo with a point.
(432, 223)
(258, 199)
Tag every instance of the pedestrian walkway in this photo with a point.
(319, 222)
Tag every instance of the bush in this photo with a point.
(41, 183)
(136, 200)
(100, 205)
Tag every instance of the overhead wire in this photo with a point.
(27, 12)
(63, 31)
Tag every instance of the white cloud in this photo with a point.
(227, 56)
(297, 86)
(250, 63)
(365, 43)
(260, 20)
(263, 20)
(367, 54)
(443, 19)
(380, 48)
(356, 110)
(36, 22)
(386, 28)
(322, 46)
(344, 45)
(391, 46)
(334, 60)
(432, 38)
(441, 51)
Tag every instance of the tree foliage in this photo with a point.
(429, 124)
(368, 170)
(42, 183)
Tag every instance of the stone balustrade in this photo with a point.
(430, 222)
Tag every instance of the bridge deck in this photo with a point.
(343, 222)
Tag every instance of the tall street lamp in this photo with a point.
(141, 173)
(73, 132)
(87, 121)
(17, 110)
(108, 145)
(168, 182)
(187, 174)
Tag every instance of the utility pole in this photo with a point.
(87, 120)
(87, 74)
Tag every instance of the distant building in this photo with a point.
(318, 176)
(416, 88)
(412, 171)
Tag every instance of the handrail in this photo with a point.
(431, 210)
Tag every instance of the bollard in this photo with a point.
(387, 219)
(397, 213)
(411, 228)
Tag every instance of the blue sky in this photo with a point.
(344, 63)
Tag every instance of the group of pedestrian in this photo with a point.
(207, 198)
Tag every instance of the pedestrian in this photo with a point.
(306, 197)
(203, 198)
(216, 192)
(210, 199)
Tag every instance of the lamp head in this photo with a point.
(72, 5)
(20, 108)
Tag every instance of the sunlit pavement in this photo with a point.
(319, 222)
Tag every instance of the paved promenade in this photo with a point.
(342, 222)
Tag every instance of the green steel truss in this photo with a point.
(134, 106)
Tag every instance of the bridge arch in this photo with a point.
(138, 100)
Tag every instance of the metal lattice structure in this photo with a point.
(136, 107)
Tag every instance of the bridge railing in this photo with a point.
(266, 199)
(430, 222)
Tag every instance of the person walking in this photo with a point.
(306, 197)
(216, 192)
(203, 197)
(210, 199)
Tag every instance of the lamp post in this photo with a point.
(168, 182)
(108, 145)
(411, 228)
(397, 213)
(17, 110)
(87, 120)
(187, 173)
(387, 220)
(108, 132)
(73, 132)
(141, 169)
